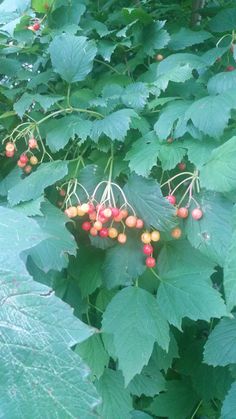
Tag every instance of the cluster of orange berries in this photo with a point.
(27, 159)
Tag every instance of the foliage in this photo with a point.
(122, 116)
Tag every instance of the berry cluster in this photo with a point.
(27, 159)
(183, 212)
(147, 238)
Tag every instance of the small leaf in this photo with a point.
(114, 126)
(220, 346)
(93, 353)
(229, 404)
(143, 154)
(186, 38)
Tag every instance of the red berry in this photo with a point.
(23, 158)
(171, 199)
(182, 212)
(20, 164)
(150, 262)
(98, 225)
(93, 231)
(36, 26)
(102, 219)
(62, 192)
(182, 166)
(230, 68)
(139, 223)
(86, 226)
(115, 212)
(197, 213)
(33, 143)
(147, 249)
(9, 153)
(91, 208)
(93, 216)
(104, 232)
(27, 169)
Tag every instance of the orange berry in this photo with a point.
(93, 216)
(122, 238)
(93, 231)
(146, 238)
(131, 221)
(71, 212)
(80, 213)
(182, 212)
(107, 212)
(155, 236)
(98, 225)
(85, 208)
(124, 213)
(33, 160)
(176, 233)
(112, 232)
(27, 169)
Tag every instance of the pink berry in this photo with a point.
(115, 212)
(86, 226)
(150, 262)
(33, 143)
(23, 158)
(147, 249)
(104, 232)
(230, 68)
(139, 223)
(197, 213)
(171, 199)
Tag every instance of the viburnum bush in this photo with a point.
(117, 192)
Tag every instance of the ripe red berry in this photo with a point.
(122, 238)
(150, 262)
(139, 223)
(28, 169)
(91, 208)
(36, 26)
(182, 166)
(182, 212)
(171, 199)
(20, 164)
(93, 216)
(9, 153)
(147, 249)
(103, 232)
(131, 221)
(23, 158)
(197, 213)
(33, 143)
(115, 212)
(10, 147)
(86, 226)
(102, 219)
(230, 68)
(93, 231)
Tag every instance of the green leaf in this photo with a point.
(220, 346)
(60, 131)
(161, 359)
(39, 5)
(33, 186)
(9, 67)
(93, 353)
(31, 208)
(146, 198)
(53, 252)
(114, 126)
(154, 38)
(142, 156)
(135, 95)
(171, 154)
(116, 400)
(72, 56)
(229, 405)
(185, 290)
(178, 402)
(212, 233)
(229, 273)
(138, 414)
(27, 99)
(224, 21)
(203, 114)
(221, 82)
(218, 173)
(186, 38)
(123, 264)
(127, 317)
(199, 151)
(172, 115)
(150, 382)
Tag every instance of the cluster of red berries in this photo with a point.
(147, 238)
(27, 159)
(183, 212)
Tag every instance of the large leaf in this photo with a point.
(172, 115)
(116, 400)
(33, 186)
(114, 126)
(185, 289)
(220, 346)
(223, 21)
(94, 354)
(146, 198)
(53, 252)
(27, 99)
(186, 37)
(212, 234)
(143, 154)
(134, 319)
(72, 56)
(222, 82)
(229, 405)
(218, 173)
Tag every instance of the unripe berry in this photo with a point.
(33, 160)
(62, 192)
(150, 262)
(10, 147)
(176, 233)
(182, 212)
(147, 249)
(131, 221)
(80, 213)
(124, 213)
(33, 143)
(112, 232)
(93, 216)
(20, 164)
(182, 166)
(98, 225)
(155, 236)
(91, 208)
(146, 238)
(93, 231)
(85, 208)
(27, 169)
(107, 212)
(71, 212)
(159, 57)
(197, 213)
(122, 238)
(171, 199)
(86, 226)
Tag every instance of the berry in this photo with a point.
(118, 217)
(33, 143)
(80, 212)
(124, 213)
(99, 208)
(155, 236)
(10, 147)
(86, 226)
(33, 160)
(23, 158)
(91, 208)
(36, 26)
(182, 166)
(102, 219)
(62, 192)
(230, 68)
(115, 212)
(150, 262)
(103, 232)
(27, 169)
(176, 233)
(98, 225)
(9, 153)
(159, 57)
(197, 213)
(93, 216)
(112, 232)
(20, 164)
(139, 223)
(131, 221)
(171, 199)
(147, 249)
(182, 212)
(71, 212)
(170, 140)
(122, 238)
(146, 238)
(85, 208)
(93, 231)
(107, 212)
